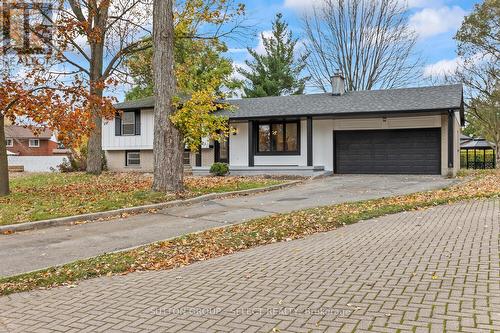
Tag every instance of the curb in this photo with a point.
(117, 213)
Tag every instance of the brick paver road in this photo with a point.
(431, 270)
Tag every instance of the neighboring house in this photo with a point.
(32, 152)
(22, 141)
(397, 131)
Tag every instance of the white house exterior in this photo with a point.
(400, 131)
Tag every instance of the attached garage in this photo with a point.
(405, 151)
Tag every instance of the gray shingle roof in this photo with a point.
(391, 100)
(145, 103)
(20, 132)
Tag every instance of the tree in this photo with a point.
(48, 104)
(140, 68)
(198, 60)
(278, 71)
(478, 47)
(91, 38)
(167, 146)
(483, 119)
(480, 31)
(369, 41)
(184, 117)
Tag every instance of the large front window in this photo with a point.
(278, 138)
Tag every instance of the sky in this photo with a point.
(435, 21)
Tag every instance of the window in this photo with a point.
(133, 158)
(34, 143)
(186, 157)
(9, 143)
(128, 123)
(276, 138)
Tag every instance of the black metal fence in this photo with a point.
(477, 159)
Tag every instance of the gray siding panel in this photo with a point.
(413, 151)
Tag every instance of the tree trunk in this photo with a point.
(167, 146)
(497, 155)
(4, 165)
(94, 146)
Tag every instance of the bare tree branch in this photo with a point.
(370, 42)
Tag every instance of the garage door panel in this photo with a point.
(413, 151)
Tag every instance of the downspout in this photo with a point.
(309, 141)
(451, 148)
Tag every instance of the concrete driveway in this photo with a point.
(32, 250)
(434, 270)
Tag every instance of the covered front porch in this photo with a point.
(262, 147)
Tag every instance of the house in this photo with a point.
(33, 152)
(395, 131)
(21, 141)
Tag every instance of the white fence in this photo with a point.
(36, 163)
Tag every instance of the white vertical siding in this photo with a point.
(323, 143)
(238, 145)
(124, 142)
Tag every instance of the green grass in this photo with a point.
(248, 185)
(51, 195)
(212, 243)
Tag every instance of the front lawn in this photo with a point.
(50, 195)
(212, 243)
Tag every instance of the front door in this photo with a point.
(222, 151)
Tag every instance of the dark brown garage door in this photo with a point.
(415, 151)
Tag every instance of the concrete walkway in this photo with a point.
(434, 270)
(31, 250)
